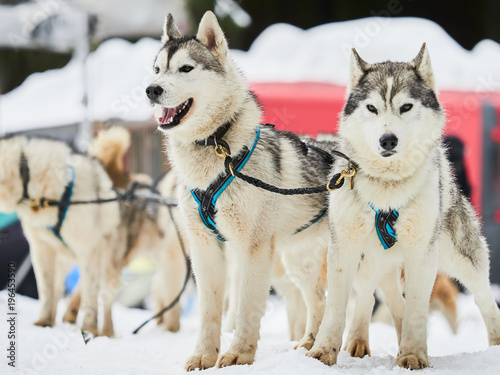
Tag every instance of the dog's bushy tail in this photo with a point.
(109, 147)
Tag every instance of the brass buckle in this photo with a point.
(220, 151)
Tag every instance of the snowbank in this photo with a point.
(60, 350)
(118, 72)
(285, 53)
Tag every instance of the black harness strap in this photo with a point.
(24, 171)
(206, 199)
(63, 207)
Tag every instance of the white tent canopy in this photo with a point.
(118, 71)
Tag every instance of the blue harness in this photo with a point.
(63, 203)
(384, 223)
(207, 199)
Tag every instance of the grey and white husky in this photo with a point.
(405, 208)
(202, 103)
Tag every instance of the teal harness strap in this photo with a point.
(384, 224)
(207, 199)
(63, 207)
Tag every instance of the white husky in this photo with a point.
(404, 207)
(201, 101)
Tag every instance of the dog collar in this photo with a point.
(216, 138)
(384, 223)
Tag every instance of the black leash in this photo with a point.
(336, 182)
(188, 274)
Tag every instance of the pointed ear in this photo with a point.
(422, 64)
(358, 67)
(210, 34)
(170, 30)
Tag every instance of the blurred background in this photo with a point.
(71, 67)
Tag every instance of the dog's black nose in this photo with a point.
(388, 141)
(153, 91)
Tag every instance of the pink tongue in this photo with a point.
(167, 113)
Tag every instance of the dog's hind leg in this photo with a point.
(111, 284)
(304, 267)
(295, 305)
(391, 287)
(255, 271)
(173, 271)
(209, 269)
(89, 283)
(473, 272)
(75, 298)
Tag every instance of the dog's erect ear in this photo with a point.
(210, 34)
(422, 64)
(170, 30)
(358, 68)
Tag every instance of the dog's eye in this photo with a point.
(372, 108)
(157, 70)
(405, 108)
(185, 68)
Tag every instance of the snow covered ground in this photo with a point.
(61, 350)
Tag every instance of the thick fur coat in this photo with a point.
(391, 126)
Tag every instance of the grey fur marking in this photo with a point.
(405, 78)
(197, 51)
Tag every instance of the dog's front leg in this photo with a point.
(420, 274)
(209, 269)
(255, 269)
(44, 263)
(343, 260)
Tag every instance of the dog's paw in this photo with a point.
(231, 359)
(70, 316)
(306, 342)
(494, 342)
(200, 361)
(90, 329)
(44, 323)
(171, 325)
(108, 332)
(412, 361)
(326, 355)
(358, 348)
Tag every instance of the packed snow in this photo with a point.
(118, 71)
(61, 349)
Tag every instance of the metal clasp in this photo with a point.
(220, 151)
(342, 175)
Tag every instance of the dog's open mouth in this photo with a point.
(172, 116)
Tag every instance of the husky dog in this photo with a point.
(404, 208)
(35, 169)
(204, 106)
(146, 227)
